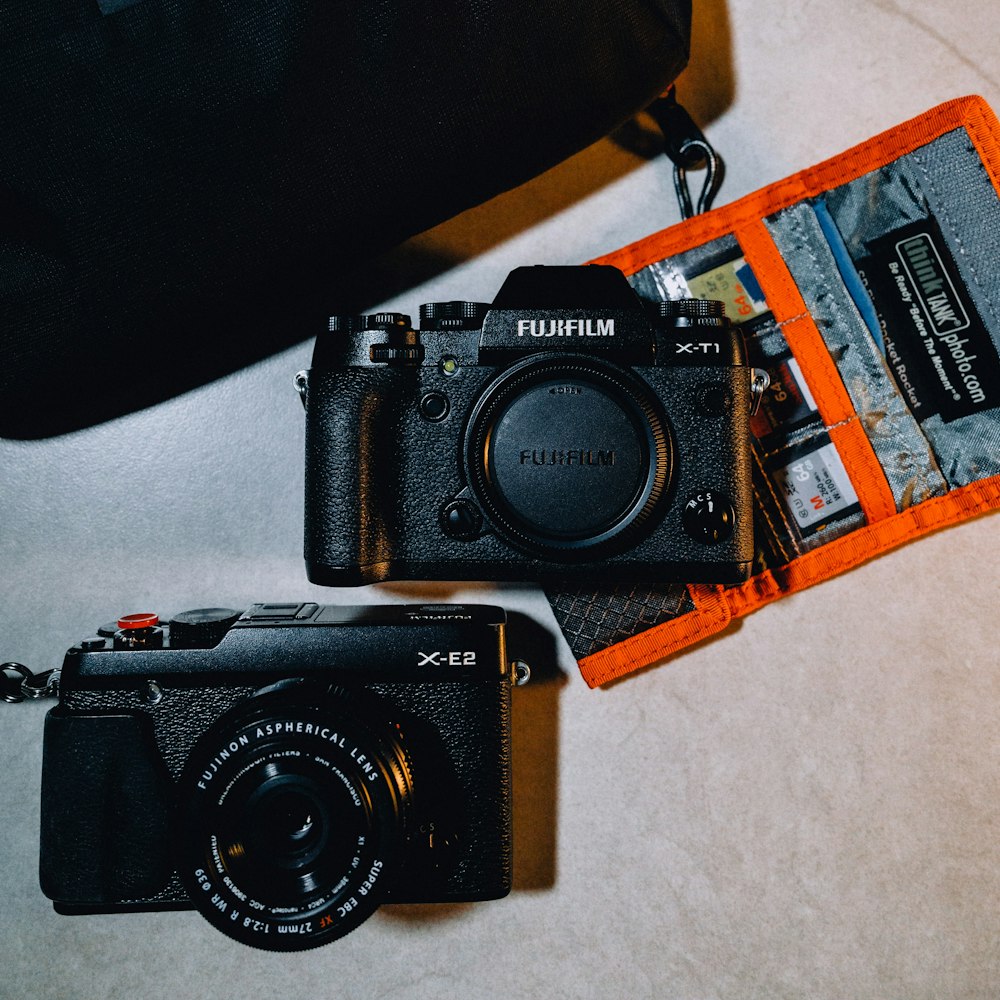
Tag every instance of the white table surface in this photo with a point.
(805, 807)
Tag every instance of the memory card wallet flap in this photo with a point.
(869, 289)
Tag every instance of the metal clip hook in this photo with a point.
(759, 381)
(687, 147)
(713, 180)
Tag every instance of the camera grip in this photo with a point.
(105, 811)
(353, 471)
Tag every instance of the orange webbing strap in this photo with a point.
(715, 607)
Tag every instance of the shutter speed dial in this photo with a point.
(455, 315)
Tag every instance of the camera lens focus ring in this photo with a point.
(294, 818)
(569, 456)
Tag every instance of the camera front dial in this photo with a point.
(570, 456)
(293, 819)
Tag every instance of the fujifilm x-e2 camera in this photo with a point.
(567, 430)
(284, 770)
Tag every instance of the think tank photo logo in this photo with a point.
(932, 284)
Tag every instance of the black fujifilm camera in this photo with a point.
(567, 430)
(284, 770)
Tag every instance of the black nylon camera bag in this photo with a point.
(186, 186)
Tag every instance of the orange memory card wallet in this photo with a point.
(868, 287)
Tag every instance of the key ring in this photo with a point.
(18, 683)
(12, 676)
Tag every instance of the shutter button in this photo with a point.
(140, 631)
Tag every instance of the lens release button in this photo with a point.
(709, 517)
(462, 520)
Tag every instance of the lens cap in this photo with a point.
(568, 455)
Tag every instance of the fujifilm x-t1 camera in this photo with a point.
(567, 430)
(284, 770)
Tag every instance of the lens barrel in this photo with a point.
(294, 819)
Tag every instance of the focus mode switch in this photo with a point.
(709, 517)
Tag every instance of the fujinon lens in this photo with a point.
(295, 819)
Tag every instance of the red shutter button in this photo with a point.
(139, 632)
(145, 620)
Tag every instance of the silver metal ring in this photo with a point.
(12, 679)
(522, 672)
(301, 382)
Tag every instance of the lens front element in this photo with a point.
(569, 456)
